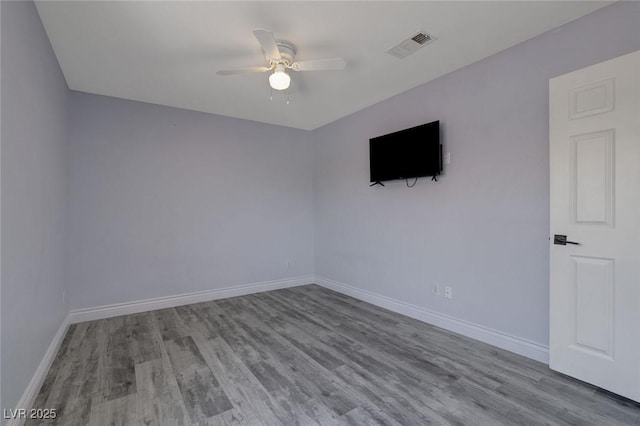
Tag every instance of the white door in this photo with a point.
(595, 201)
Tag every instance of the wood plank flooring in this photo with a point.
(304, 356)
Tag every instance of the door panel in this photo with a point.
(595, 201)
(596, 98)
(593, 171)
(593, 281)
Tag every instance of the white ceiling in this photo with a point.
(168, 52)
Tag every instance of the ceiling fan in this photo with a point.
(280, 56)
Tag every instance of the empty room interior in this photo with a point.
(320, 213)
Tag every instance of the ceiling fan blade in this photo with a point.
(319, 65)
(268, 42)
(243, 71)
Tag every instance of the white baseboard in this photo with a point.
(109, 311)
(30, 394)
(493, 337)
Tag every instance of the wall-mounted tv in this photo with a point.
(409, 153)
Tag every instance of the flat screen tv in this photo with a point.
(409, 153)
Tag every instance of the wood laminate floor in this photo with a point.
(307, 356)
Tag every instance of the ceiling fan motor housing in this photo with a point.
(287, 52)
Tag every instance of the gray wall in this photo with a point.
(483, 228)
(34, 196)
(167, 201)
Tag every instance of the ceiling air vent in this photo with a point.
(421, 38)
(410, 45)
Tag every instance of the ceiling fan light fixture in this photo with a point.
(279, 80)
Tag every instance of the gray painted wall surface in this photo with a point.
(167, 201)
(483, 228)
(34, 196)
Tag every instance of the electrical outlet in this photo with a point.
(447, 158)
(436, 289)
(448, 292)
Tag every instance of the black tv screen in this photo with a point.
(409, 153)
